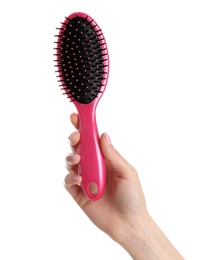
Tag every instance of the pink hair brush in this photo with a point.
(82, 66)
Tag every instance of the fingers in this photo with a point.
(72, 180)
(119, 164)
(74, 118)
(72, 161)
(74, 140)
(75, 136)
(72, 185)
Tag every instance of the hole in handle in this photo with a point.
(93, 188)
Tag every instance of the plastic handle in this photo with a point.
(92, 164)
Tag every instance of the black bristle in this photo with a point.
(81, 59)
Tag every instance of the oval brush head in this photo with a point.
(82, 67)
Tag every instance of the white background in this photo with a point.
(152, 109)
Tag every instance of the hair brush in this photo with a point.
(82, 67)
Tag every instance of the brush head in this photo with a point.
(82, 58)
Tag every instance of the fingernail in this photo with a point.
(72, 135)
(108, 138)
(75, 177)
(71, 157)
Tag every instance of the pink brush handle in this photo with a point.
(92, 165)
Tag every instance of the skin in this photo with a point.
(122, 212)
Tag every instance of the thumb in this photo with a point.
(116, 160)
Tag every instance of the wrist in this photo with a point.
(136, 239)
(145, 240)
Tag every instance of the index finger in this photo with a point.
(74, 118)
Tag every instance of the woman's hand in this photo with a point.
(121, 212)
(123, 201)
